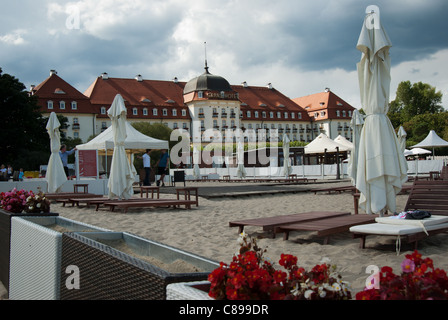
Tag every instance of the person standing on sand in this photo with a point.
(147, 166)
(64, 157)
(162, 166)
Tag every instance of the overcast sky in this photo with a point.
(299, 46)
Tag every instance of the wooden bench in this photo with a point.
(269, 223)
(327, 227)
(126, 204)
(187, 193)
(153, 189)
(77, 186)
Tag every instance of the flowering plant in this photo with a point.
(249, 277)
(419, 280)
(14, 200)
(17, 201)
(37, 203)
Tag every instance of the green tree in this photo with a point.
(25, 141)
(415, 99)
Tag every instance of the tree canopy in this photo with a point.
(25, 142)
(417, 107)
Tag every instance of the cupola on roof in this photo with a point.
(207, 82)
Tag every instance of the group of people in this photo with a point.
(161, 165)
(7, 173)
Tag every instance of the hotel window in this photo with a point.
(215, 124)
(184, 125)
(75, 121)
(175, 125)
(174, 111)
(154, 112)
(293, 115)
(232, 123)
(279, 114)
(286, 115)
(271, 114)
(103, 110)
(248, 114)
(263, 114)
(349, 113)
(224, 123)
(74, 105)
(61, 104)
(338, 113)
(272, 126)
(299, 115)
(343, 113)
(50, 104)
(134, 111)
(145, 111)
(184, 113)
(76, 134)
(256, 114)
(165, 112)
(200, 94)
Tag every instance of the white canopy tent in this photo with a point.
(135, 141)
(432, 140)
(343, 140)
(322, 143)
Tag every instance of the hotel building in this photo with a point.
(205, 102)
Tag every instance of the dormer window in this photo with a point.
(59, 91)
(103, 110)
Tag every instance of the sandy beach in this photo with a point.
(205, 230)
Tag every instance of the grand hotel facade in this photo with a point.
(205, 102)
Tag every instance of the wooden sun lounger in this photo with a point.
(328, 226)
(336, 189)
(269, 223)
(126, 204)
(424, 195)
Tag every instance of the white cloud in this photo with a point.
(14, 38)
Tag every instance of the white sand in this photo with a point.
(205, 231)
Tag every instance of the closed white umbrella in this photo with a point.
(401, 134)
(382, 168)
(356, 123)
(241, 170)
(55, 175)
(121, 176)
(196, 170)
(286, 163)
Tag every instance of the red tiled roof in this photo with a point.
(140, 94)
(327, 102)
(56, 89)
(266, 99)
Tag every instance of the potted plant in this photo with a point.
(251, 277)
(419, 280)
